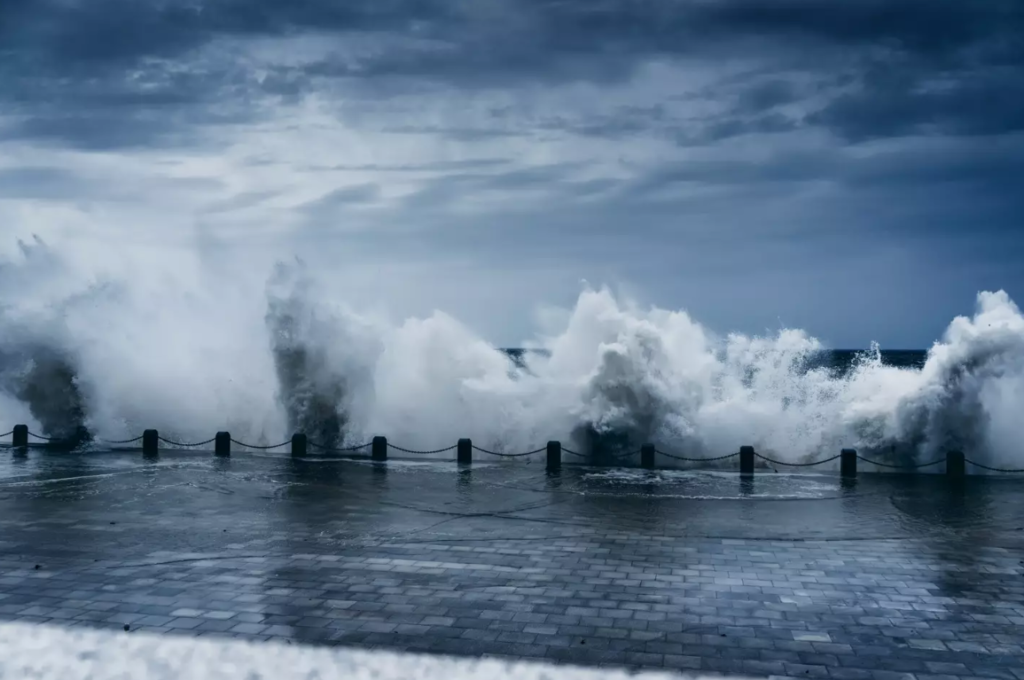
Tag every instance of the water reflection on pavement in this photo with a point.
(648, 568)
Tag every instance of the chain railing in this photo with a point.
(993, 469)
(414, 452)
(185, 445)
(810, 464)
(259, 447)
(955, 461)
(686, 459)
(913, 466)
(502, 454)
(344, 449)
(120, 442)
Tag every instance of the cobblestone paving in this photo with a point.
(888, 579)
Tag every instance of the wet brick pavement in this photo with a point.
(802, 576)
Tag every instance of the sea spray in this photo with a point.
(192, 354)
(312, 353)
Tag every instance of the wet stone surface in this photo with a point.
(785, 575)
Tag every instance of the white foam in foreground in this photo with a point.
(50, 653)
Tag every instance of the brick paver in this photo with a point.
(888, 580)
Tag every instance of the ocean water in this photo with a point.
(81, 357)
(838, 361)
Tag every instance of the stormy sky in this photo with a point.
(851, 167)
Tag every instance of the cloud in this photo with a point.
(435, 166)
(359, 194)
(598, 137)
(240, 201)
(154, 70)
(893, 102)
(48, 183)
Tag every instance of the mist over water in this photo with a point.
(83, 355)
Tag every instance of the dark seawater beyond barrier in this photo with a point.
(838, 361)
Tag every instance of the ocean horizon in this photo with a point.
(838, 360)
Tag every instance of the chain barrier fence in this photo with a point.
(502, 454)
(992, 469)
(414, 452)
(695, 460)
(183, 445)
(120, 442)
(811, 464)
(915, 466)
(955, 461)
(260, 448)
(345, 449)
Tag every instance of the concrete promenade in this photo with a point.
(788, 575)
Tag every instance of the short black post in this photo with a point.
(746, 460)
(554, 455)
(465, 451)
(299, 445)
(647, 456)
(379, 448)
(222, 444)
(848, 463)
(19, 438)
(150, 442)
(956, 464)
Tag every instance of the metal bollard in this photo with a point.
(554, 455)
(848, 463)
(956, 464)
(222, 444)
(647, 456)
(299, 445)
(465, 451)
(150, 442)
(19, 437)
(746, 460)
(379, 448)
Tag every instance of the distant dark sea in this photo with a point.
(842, 360)
(838, 360)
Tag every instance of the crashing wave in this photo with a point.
(109, 357)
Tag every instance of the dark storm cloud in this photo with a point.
(899, 194)
(888, 101)
(135, 70)
(111, 30)
(995, 164)
(98, 129)
(767, 94)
